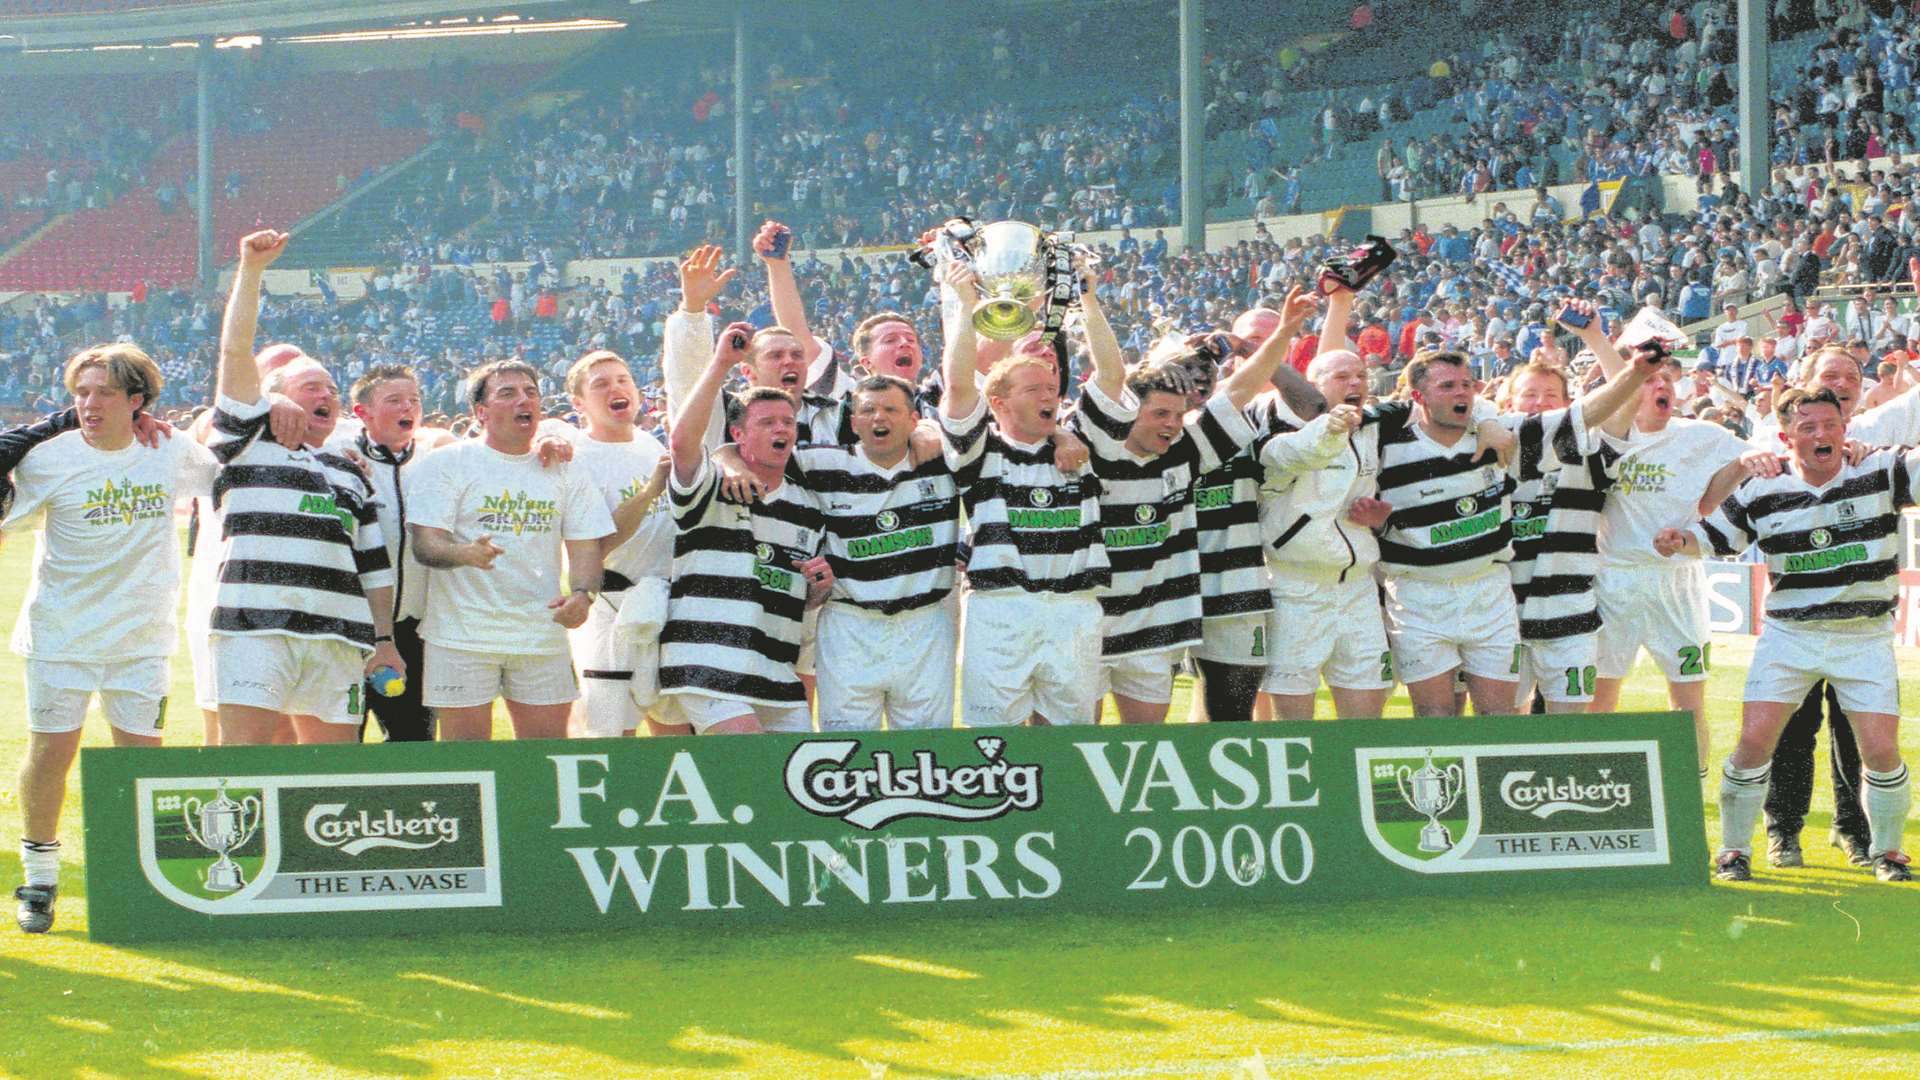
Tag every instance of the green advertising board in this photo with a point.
(588, 834)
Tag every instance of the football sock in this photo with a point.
(1742, 794)
(1885, 797)
(41, 861)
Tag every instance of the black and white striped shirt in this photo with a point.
(1451, 516)
(735, 606)
(1030, 526)
(1147, 520)
(892, 535)
(1833, 552)
(303, 542)
(1556, 527)
(1226, 502)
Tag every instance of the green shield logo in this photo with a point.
(1418, 805)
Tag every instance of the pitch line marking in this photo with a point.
(1340, 1061)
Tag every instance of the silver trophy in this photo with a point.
(223, 829)
(1432, 792)
(1026, 274)
(1011, 258)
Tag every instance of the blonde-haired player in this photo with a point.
(98, 617)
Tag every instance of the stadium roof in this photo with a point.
(67, 24)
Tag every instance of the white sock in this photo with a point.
(1743, 792)
(1885, 797)
(41, 861)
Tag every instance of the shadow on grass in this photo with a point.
(950, 997)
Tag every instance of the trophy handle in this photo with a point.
(190, 810)
(1456, 783)
(247, 830)
(1400, 781)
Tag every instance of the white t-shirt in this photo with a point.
(470, 490)
(1662, 475)
(106, 567)
(618, 470)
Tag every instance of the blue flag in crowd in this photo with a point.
(1590, 200)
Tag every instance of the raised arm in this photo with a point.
(782, 290)
(1109, 363)
(1253, 374)
(688, 432)
(689, 330)
(1610, 398)
(958, 364)
(239, 378)
(1333, 332)
(1595, 340)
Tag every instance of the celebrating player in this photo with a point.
(392, 443)
(743, 573)
(1450, 603)
(1829, 531)
(492, 522)
(629, 469)
(1031, 623)
(1147, 468)
(1644, 602)
(304, 603)
(98, 615)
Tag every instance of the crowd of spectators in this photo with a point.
(1490, 291)
(646, 163)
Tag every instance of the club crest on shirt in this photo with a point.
(1040, 497)
(886, 521)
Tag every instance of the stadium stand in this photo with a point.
(298, 143)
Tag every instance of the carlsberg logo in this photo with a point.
(891, 789)
(331, 825)
(1549, 796)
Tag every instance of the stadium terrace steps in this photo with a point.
(307, 156)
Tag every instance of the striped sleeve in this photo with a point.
(964, 438)
(235, 426)
(1104, 422)
(1219, 431)
(1549, 442)
(692, 502)
(1728, 531)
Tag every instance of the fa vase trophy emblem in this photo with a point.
(1432, 792)
(223, 827)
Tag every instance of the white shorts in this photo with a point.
(1146, 676)
(1561, 669)
(1235, 639)
(199, 635)
(1661, 607)
(319, 677)
(1436, 626)
(461, 679)
(1329, 628)
(702, 711)
(1024, 653)
(899, 667)
(618, 678)
(809, 638)
(133, 694)
(1788, 660)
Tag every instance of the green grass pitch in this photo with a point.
(1803, 972)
